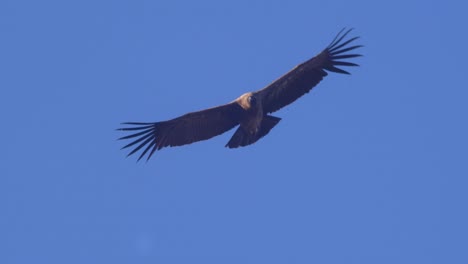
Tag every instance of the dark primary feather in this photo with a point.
(186, 129)
(307, 75)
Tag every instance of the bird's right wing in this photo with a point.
(186, 129)
(300, 80)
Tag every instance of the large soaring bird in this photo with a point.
(250, 111)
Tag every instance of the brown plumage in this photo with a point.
(250, 111)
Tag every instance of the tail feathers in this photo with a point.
(241, 138)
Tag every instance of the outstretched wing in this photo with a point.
(186, 129)
(305, 76)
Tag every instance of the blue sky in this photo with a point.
(367, 168)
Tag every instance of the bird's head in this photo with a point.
(249, 101)
(252, 100)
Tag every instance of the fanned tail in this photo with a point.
(242, 138)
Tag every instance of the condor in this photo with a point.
(250, 112)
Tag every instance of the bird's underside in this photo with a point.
(249, 113)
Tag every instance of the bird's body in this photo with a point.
(252, 118)
(250, 112)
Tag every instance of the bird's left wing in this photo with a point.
(300, 80)
(186, 129)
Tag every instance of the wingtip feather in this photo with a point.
(337, 49)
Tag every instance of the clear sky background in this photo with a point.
(367, 168)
